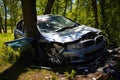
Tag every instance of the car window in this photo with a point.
(55, 23)
(20, 26)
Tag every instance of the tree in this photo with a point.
(66, 4)
(30, 17)
(0, 24)
(94, 5)
(49, 6)
(5, 9)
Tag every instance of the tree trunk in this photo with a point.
(103, 16)
(66, 2)
(0, 24)
(57, 7)
(30, 17)
(94, 5)
(76, 10)
(49, 6)
(71, 5)
(5, 24)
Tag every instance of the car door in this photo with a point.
(19, 31)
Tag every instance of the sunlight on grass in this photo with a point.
(37, 74)
(5, 38)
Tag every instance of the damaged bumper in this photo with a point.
(85, 55)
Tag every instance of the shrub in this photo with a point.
(70, 75)
(8, 55)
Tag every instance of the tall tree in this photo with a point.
(77, 5)
(49, 6)
(30, 17)
(0, 24)
(5, 10)
(94, 5)
(66, 3)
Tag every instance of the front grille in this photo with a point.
(87, 43)
(87, 40)
(90, 35)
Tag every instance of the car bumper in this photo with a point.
(85, 55)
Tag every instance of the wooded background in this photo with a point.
(102, 14)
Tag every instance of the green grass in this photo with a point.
(5, 38)
(11, 68)
(3, 50)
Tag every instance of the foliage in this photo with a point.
(70, 75)
(8, 55)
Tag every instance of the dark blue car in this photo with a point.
(65, 41)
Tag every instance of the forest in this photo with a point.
(23, 63)
(102, 14)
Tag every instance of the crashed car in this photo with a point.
(66, 41)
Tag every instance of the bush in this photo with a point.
(70, 75)
(8, 55)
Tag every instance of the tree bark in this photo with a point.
(30, 17)
(94, 5)
(49, 6)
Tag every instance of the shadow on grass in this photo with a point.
(27, 58)
(15, 70)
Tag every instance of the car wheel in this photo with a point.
(55, 57)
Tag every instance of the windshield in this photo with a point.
(55, 23)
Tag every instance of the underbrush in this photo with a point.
(8, 55)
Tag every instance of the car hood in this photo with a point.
(69, 35)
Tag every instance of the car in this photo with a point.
(66, 41)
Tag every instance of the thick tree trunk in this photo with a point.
(94, 5)
(49, 6)
(30, 17)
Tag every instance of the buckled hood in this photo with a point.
(69, 35)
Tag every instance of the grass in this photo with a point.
(5, 37)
